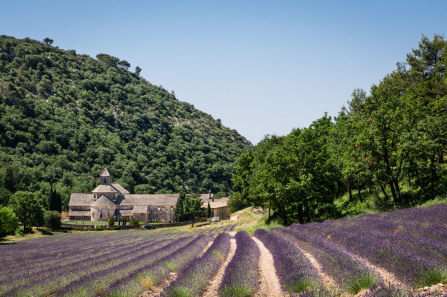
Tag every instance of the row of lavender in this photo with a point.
(86, 265)
(410, 243)
(241, 274)
(393, 241)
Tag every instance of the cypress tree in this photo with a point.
(179, 213)
(208, 210)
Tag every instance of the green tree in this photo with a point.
(208, 210)
(8, 221)
(111, 221)
(138, 70)
(134, 221)
(52, 220)
(28, 209)
(192, 208)
(179, 213)
(55, 200)
(108, 60)
(48, 41)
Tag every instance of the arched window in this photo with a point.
(100, 215)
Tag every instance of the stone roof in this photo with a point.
(205, 197)
(123, 212)
(78, 213)
(120, 188)
(103, 201)
(105, 172)
(150, 199)
(217, 203)
(140, 209)
(80, 199)
(105, 189)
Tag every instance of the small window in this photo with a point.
(93, 214)
(105, 180)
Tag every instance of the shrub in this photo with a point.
(134, 221)
(111, 221)
(52, 220)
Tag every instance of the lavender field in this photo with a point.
(384, 254)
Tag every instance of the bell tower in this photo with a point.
(105, 178)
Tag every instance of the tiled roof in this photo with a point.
(217, 203)
(120, 188)
(80, 199)
(79, 213)
(122, 212)
(140, 209)
(105, 189)
(105, 172)
(103, 201)
(150, 199)
(205, 197)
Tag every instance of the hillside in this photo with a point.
(64, 116)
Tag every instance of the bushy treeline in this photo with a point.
(391, 143)
(65, 116)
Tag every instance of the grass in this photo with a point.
(362, 282)
(179, 292)
(433, 277)
(36, 233)
(90, 223)
(302, 285)
(253, 219)
(236, 291)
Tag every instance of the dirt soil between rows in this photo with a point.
(269, 284)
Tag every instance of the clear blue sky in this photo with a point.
(262, 67)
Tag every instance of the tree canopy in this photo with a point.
(391, 139)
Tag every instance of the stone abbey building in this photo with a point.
(111, 199)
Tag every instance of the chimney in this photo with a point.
(210, 197)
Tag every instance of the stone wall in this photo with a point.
(102, 213)
(161, 214)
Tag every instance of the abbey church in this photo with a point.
(111, 199)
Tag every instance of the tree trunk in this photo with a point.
(306, 211)
(284, 216)
(359, 191)
(384, 192)
(350, 191)
(300, 214)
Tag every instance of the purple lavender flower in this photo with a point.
(241, 275)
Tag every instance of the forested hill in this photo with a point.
(65, 116)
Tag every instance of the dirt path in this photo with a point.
(385, 276)
(213, 285)
(156, 291)
(269, 285)
(327, 281)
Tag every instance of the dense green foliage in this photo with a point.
(28, 210)
(395, 138)
(188, 208)
(8, 221)
(111, 221)
(65, 116)
(52, 219)
(134, 221)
